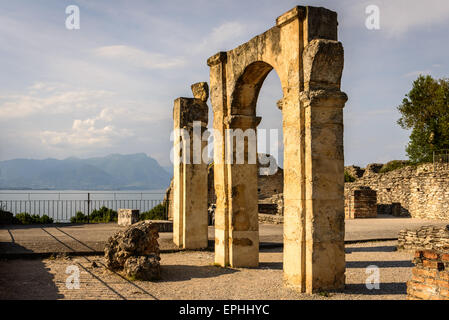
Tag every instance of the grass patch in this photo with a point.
(324, 294)
(349, 177)
(394, 165)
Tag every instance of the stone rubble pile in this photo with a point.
(135, 251)
(424, 238)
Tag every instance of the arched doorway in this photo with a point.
(304, 51)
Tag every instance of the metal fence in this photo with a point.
(62, 206)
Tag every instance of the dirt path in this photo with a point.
(192, 275)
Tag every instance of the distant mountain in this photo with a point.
(113, 172)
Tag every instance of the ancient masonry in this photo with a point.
(270, 193)
(430, 279)
(127, 217)
(190, 173)
(424, 238)
(419, 192)
(361, 203)
(303, 49)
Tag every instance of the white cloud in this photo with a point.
(398, 17)
(224, 37)
(85, 134)
(138, 58)
(48, 99)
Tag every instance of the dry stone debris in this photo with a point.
(135, 251)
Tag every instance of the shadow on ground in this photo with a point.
(271, 265)
(380, 264)
(371, 249)
(384, 289)
(27, 280)
(184, 272)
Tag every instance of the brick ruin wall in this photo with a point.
(361, 203)
(419, 192)
(430, 276)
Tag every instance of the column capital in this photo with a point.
(323, 98)
(217, 58)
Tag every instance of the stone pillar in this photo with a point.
(314, 256)
(243, 231)
(190, 171)
(218, 97)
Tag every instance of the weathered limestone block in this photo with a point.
(127, 217)
(200, 91)
(135, 251)
(190, 170)
(143, 267)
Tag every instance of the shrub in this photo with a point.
(7, 217)
(101, 215)
(157, 213)
(26, 218)
(79, 217)
(394, 165)
(349, 177)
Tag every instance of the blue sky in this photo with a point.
(109, 86)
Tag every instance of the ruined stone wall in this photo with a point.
(424, 238)
(269, 185)
(421, 192)
(361, 203)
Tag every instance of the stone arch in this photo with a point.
(247, 88)
(304, 51)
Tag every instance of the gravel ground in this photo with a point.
(192, 275)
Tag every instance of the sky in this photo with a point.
(109, 86)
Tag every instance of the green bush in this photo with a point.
(7, 217)
(101, 215)
(349, 177)
(79, 217)
(394, 165)
(157, 213)
(26, 218)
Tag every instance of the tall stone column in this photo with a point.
(320, 227)
(218, 97)
(243, 227)
(190, 117)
